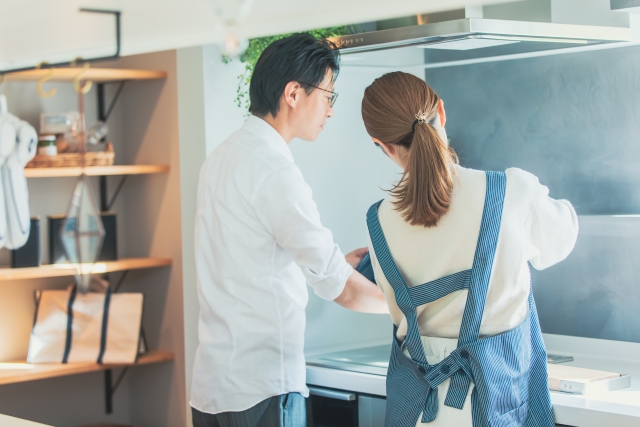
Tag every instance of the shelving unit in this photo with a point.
(62, 270)
(97, 75)
(21, 371)
(96, 171)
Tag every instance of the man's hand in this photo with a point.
(356, 256)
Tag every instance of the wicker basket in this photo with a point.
(68, 160)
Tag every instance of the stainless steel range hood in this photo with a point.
(473, 38)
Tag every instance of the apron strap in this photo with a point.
(483, 259)
(480, 278)
(436, 289)
(400, 288)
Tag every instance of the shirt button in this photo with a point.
(464, 354)
(445, 369)
(422, 370)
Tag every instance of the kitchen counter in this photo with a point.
(364, 371)
(6, 421)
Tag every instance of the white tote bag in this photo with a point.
(93, 327)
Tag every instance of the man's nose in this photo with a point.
(330, 112)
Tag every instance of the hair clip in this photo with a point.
(421, 117)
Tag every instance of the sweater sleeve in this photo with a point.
(551, 228)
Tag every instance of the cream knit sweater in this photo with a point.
(535, 229)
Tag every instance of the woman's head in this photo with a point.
(406, 118)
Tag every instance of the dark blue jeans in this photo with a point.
(286, 410)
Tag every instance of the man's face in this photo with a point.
(313, 110)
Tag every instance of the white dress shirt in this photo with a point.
(258, 242)
(535, 229)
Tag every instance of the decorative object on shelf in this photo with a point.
(47, 145)
(67, 160)
(101, 327)
(17, 147)
(250, 56)
(109, 251)
(97, 132)
(82, 231)
(29, 254)
(59, 123)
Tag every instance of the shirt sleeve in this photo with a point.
(284, 204)
(552, 228)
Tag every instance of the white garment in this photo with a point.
(535, 228)
(258, 240)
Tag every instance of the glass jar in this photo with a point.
(47, 145)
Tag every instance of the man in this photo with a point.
(259, 241)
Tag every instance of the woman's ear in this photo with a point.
(388, 149)
(442, 113)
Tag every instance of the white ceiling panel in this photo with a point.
(32, 31)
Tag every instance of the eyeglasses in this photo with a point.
(334, 95)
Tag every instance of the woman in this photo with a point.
(450, 248)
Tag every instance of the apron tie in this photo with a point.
(454, 366)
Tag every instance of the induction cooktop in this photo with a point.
(375, 360)
(368, 360)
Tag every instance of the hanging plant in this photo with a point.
(257, 46)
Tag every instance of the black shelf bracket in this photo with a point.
(110, 387)
(103, 115)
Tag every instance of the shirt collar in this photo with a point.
(260, 128)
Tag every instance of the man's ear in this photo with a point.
(291, 93)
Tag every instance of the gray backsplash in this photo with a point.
(574, 121)
(594, 293)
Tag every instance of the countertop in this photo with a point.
(620, 408)
(6, 421)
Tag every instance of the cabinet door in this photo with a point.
(371, 411)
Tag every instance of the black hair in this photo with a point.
(301, 58)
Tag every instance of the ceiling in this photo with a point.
(32, 31)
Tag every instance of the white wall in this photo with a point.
(222, 115)
(344, 169)
(347, 173)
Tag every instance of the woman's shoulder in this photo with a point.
(523, 181)
(516, 177)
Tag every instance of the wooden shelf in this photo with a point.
(62, 270)
(96, 171)
(21, 371)
(97, 75)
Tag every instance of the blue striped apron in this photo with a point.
(509, 370)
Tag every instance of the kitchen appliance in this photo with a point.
(473, 38)
(339, 408)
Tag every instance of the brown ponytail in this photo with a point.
(389, 108)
